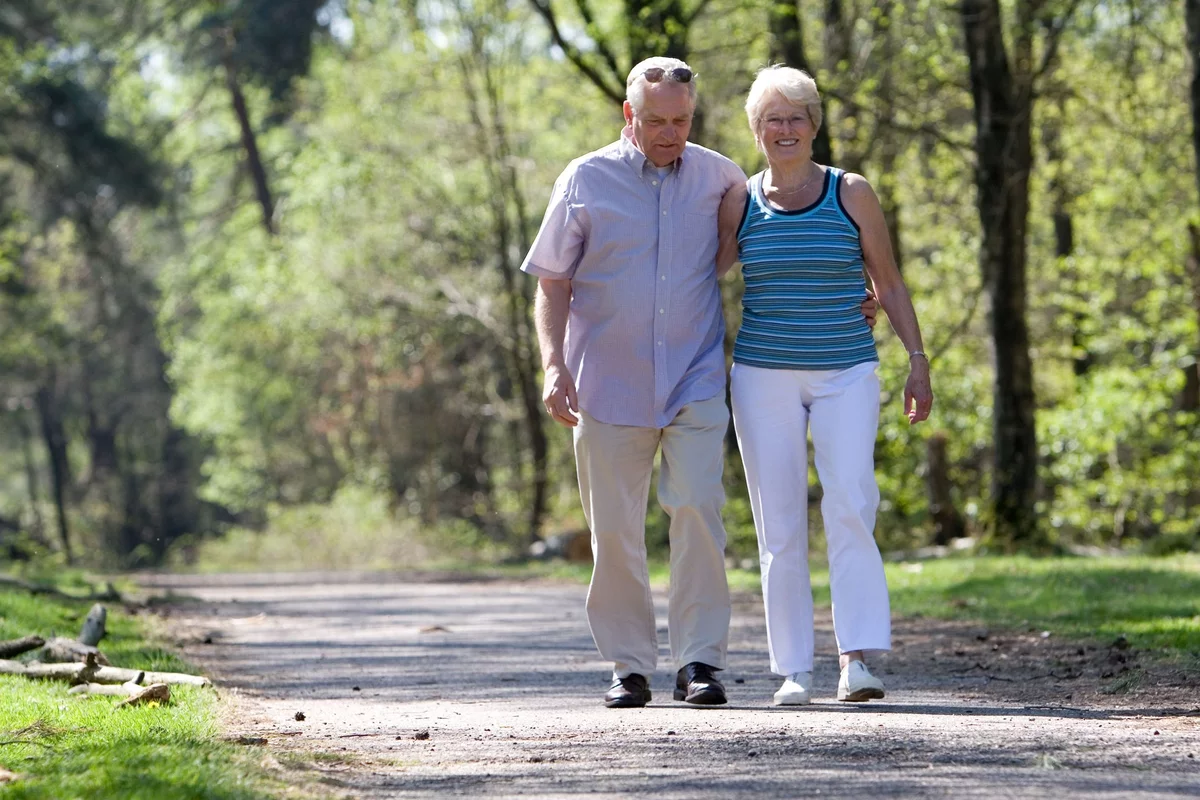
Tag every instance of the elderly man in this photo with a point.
(629, 322)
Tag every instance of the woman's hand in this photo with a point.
(918, 393)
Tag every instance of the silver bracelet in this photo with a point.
(920, 353)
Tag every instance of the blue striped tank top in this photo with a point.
(803, 273)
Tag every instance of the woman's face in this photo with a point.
(785, 131)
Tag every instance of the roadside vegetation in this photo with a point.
(1154, 602)
(61, 746)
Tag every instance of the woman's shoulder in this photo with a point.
(852, 183)
(855, 191)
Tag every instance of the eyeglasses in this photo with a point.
(677, 74)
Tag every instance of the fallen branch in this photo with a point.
(122, 690)
(93, 627)
(155, 692)
(61, 650)
(92, 672)
(14, 647)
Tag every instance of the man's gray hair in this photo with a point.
(635, 84)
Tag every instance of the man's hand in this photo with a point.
(558, 396)
(918, 394)
(870, 308)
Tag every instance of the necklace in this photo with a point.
(802, 186)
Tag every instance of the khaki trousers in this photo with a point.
(614, 464)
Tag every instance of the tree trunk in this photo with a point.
(839, 60)
(31, 476)
(1189, 399)
(1192, 13)
(1004, 156)
(102, 438)
(947, 522)
(1064, 239)
(55, 437)
(889, 143)
(1191, 391)
(258, 172)
(487, 114)
(787, 46)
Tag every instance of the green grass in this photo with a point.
(67, 747)
(1153, 601)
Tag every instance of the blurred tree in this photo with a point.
(267, 42)
(85, 356)
(1190, 397)
(1004, 92)
(645, 28)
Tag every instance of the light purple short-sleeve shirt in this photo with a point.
(645, 332)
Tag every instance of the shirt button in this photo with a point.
(664, 213)
(660, 344)
(662, 311)
(654, 183)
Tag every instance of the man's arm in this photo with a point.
(552, 301)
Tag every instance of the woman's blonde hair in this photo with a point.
(794, 85)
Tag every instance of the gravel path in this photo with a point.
(418, 687)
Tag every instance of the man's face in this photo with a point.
(662, 125)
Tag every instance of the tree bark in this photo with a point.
(1064, 238)
(1192, 15)
(787, 46)
(839, 60)
(94, 673)
(14, 647)
(61, 650)
(1003, 106)
(258, 173)
(55, 437)
(889, 143)
(947, 522)
(31, 476)
(487, 114)
(1190, 399)
(94, 626)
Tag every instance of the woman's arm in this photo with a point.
(863, 206)
(729, 219)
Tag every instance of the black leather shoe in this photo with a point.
(630, 692)
(697, 683)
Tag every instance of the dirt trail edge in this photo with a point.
(418, 687)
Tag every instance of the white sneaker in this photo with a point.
(858, 685)
(794, 691)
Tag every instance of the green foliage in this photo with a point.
(357, 529)
(210, 377)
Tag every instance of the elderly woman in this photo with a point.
(805, 360)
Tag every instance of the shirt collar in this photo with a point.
(635, 157)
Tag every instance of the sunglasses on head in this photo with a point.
(677, 74)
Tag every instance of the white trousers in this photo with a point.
(773, 409)
(614, 464)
